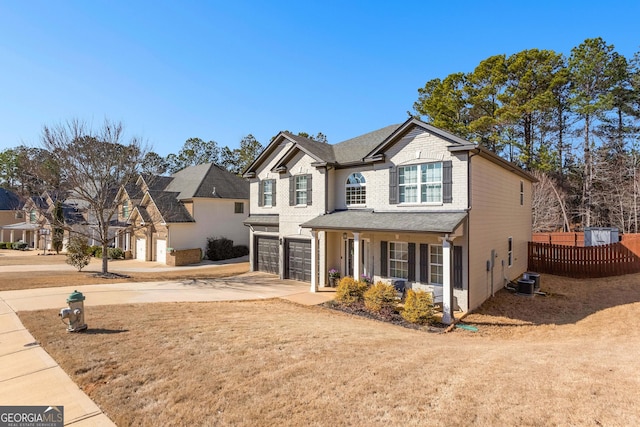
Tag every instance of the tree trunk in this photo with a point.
(105, 258)
(588, 175)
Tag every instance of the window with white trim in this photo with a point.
(510, 251)
(125, 209)
(399, 260)
(436, 264)
(420, 183)
(32, 216)
(238, 207)
(301, 190)
(356, 190)
(267, 192)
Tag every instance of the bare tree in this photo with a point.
(549, 212)
(94, 164)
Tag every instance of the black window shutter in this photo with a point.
(447, 182)
(393, 186)
(457, 267)
(292, 191)
(309, 189)
(260, 192)
(273, 192)
(424, 263)
(383, 259)
(412, 262)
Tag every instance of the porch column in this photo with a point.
(24, 236)
(356, 255)
(447, 288)
(314, 261)
(11, 235)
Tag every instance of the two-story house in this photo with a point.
(407, 202)
(158, 214)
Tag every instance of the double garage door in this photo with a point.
(297, 257)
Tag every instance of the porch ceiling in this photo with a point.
(21, 226)
(407, 222)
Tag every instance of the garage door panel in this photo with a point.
(141, 249)
(299, 260)
(161, 251)
(267, 255)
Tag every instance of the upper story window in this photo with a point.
(521, 193)
(33, 216)
(356, 189)
(267, 195)
(420, 183)
(125, 209)
(238, 207)
(300, 190)
(427, 183)
(510, 251)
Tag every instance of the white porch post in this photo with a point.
(447, 289)
(356, 255)
(314, 261)
(11, 235)
(24, 236)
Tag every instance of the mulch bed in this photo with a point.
(387, 316)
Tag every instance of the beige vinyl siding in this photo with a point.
(496, 214)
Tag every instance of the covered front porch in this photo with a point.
(26, 232)
(416, 250)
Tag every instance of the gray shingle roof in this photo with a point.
(355, 149)
(201, 180)
(9, 201)
(408, 222)
(269, 220)
(171, 209)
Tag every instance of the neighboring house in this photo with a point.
(408, 202)
(11, 213)
(36, 225)
(160, 214)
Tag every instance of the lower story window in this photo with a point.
(399, 260)
(238, 207)
(436, 264)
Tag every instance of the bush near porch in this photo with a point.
(380, 301)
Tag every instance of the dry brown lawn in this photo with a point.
(52, 278)
(570, 358)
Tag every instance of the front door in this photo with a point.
(364, 257)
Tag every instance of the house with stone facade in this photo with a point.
(168, 219)
(407, 203)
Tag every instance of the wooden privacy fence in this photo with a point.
(614, 259)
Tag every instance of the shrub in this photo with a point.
(240, 250)
(418, 307)
(19, 246)
(116, 253)
(380, 296)
(3, 245)
(112, 253)
(78, 252)
(219, 248)
(350, 291)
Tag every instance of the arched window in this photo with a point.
(356, 190)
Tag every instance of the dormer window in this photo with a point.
(356, 190)
(32, 216)
(125, 209)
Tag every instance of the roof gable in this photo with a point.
(208, 180)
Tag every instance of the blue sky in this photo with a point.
(220, 70)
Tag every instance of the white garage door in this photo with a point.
(161, 251)
(141, 249)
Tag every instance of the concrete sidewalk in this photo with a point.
(29, 376)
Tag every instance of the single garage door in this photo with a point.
(161, 251)
(298, 260)
(266, 258)
(141, 249)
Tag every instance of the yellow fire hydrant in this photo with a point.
(75, 312)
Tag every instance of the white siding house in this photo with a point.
(406, 203)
